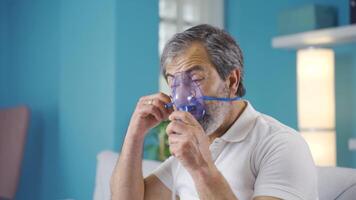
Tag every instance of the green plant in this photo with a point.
(159, 150)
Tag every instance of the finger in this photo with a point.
(160, 99)
(151, 100)
(175, 138)
(161, 106)
(175, 127)
(185, 117)
(151, 110)
(161, 96)
(189, 120)
(166, 100)
(147, 102)
(184, 148)
(179, 128)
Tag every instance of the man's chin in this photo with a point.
(209, 125)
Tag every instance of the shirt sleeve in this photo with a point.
(164, 172)
(285, 168)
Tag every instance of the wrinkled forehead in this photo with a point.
(193, 58)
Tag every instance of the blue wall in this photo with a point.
(137, 56)
(33, 79)
(3, 50)
(87, 91)
(271, 73)
(75, 64)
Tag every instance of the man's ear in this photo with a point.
(233, 81)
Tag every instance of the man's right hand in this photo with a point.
(127, 181)
(150, 111)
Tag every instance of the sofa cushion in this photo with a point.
(336, 183)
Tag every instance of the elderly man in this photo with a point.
(222, 148)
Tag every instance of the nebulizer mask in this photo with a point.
(187, 96)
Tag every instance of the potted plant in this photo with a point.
(159, 149)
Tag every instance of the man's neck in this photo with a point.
(236, 110)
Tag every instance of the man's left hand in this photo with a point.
(188, 142)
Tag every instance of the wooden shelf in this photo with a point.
(322, 37)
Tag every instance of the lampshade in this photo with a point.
(316, 102)
(316, 93)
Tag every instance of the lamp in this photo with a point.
(316, 103)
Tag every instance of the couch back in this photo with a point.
(334, 183)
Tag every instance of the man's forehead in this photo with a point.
(193, 58)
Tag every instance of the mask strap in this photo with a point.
(169, 105)
(208, 98)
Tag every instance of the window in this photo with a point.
(179, 15)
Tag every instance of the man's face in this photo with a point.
(196, 62)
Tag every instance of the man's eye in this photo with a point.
(197, 79)
(174, 85)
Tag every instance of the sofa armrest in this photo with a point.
(106, 161)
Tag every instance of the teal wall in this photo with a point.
(75, 64)
(87, 91)
(3, 49)
(137, 56)
(33, 79)
(345, 74)
(270, 74)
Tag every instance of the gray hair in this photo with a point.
(224, 53)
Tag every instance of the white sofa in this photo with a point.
(105, 166)
(334, 182)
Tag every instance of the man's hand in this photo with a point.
(190, 145)
(188, 142)
(127, 181)
(149, 112)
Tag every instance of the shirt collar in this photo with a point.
(242, 126)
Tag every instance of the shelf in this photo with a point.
(322, 37)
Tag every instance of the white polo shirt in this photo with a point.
(258, 156)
